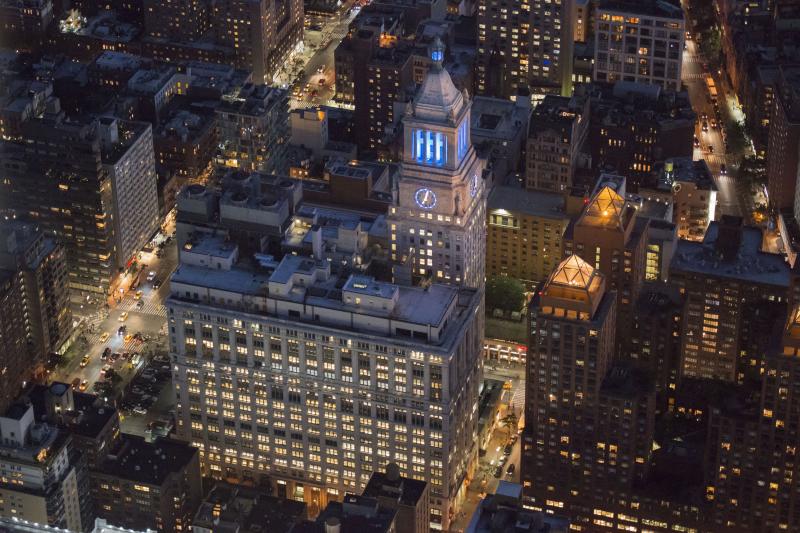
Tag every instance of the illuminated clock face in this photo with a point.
(473, 186)
(425, 198)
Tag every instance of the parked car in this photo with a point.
(84, 385)
(76, 383)
(510, 469)
(498, 472)
(507, 450)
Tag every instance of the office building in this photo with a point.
(610, 236)
(58, 167)
(143, 485)
(39, 266)
(437, 224)
(525, 230)
(131, 169)
(633, 126)
(43, 481)
(273, 387)
(253, 130)
(246, 509)
(722, 279)
(262, 33)
(783, 145)
(558, 129)
(639, 42)
(524, 48)
(409, 497)
(572, 326)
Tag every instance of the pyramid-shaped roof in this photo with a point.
(573, 272)
(438, 99)
(605, 209)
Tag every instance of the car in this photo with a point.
(723, 169)
(138, 295)
(151, 275)
(507, 449)
(76, 383)
(498, 472)
(105, 353)
(139, 410)
(140, 304)
(85, 361)
(105, 371)
(84, 385)
(710, 149)
(123, 316)
(156, 283)
(705, 126)
(121, 330)
(696, 142)
(104, 337)
(113, 357)
(704, 116)
(714, 124)
(128, 338)
(314, 93)
(510, 469)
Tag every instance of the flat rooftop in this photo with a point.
(750, 263)
(533, 203)
(148, 463)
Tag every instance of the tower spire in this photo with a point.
(437, 53)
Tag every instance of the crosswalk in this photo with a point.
(518, 399)
(714, 159)
(150, 307)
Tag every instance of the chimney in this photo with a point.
(316, 241)
(333, 525)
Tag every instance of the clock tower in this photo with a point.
(437, 225)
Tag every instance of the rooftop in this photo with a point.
(533, 203)
(658, 8)
(236, 508)
(148, 463)
(391, 484)
(745, 262)
(606, 208)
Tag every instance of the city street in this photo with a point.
(145, 315)
(734, 198)
(485, 481)
(315, 87)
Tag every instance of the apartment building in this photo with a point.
(640, 42)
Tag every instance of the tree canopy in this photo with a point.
(505, 293)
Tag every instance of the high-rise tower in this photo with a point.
(437, 222)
